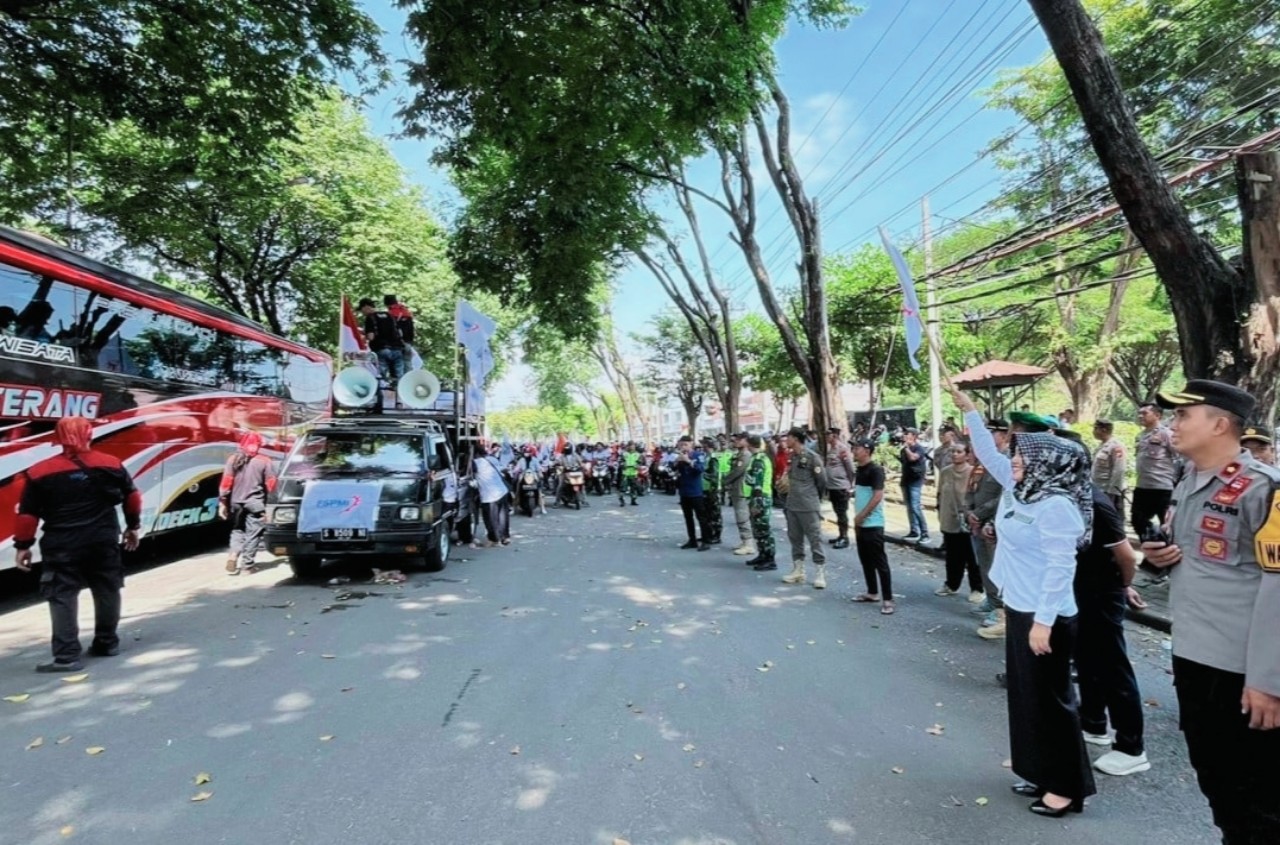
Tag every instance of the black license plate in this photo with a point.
(344, 534)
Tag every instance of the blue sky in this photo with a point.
(884, 111)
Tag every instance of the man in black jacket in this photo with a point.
(75, 494)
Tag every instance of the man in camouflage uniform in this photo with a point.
(711, 484)
(757, 488)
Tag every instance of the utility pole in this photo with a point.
(931, 324)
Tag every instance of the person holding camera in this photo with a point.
(690, 466)
(1223, 548)
(915, 465)
(76, 494)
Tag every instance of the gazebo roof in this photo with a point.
(999, 374)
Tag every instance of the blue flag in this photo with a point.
(914, 326)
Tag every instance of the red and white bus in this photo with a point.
(170, 382)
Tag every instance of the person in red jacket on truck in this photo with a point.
(76, 494)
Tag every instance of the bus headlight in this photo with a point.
(411, 514)
(284, 516)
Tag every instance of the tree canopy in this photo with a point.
(555, 117)
(238, 70)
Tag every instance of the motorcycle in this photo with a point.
(601, 478)
(642, 479)
(666, 479)
(529, 493)
(573, 484)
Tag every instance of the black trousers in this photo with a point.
(99, 568)
(1107, 683)
(1044, 726)
(1234, 764)
(840, 504)
(693, 508)
(497, 519)
(958, 548)
(875, 562)
(1147, 504)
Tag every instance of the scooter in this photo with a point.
(573, 484)
(601, 478)
(529, 493)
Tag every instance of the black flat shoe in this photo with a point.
(692, 544)
(765, 567)
(1029, 790)
(1042, 809)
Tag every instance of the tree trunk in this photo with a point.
(1207, 296)
(691, 411)
(1258, 183)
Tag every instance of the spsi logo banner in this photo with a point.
(339, 504)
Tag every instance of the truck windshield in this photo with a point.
(356, 453)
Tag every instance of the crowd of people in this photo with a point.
(1031, 517)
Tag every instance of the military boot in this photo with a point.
(796, 576)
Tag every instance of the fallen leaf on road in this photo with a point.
(202, 796)
(326, 737)
(67, 830)
(810, 642)
(897, 770)
(791, 648)
(689, 746)
(1151, 702)
(94, 750)
(75, 679)
(638, 757)
(1008, 764)
(698, 764)
(35, 743)
(63, 741)
(17, 699)
(955, 802)
(346, 689)
(680, 686)
(981, 802)
(515, 752)
(617, 841)
(936, 730)
(811, 777)
(840, 642)
(203, 778)
(328, 656)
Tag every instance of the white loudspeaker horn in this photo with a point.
(355, 387)
(418, 390)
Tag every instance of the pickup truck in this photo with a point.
(368, 487)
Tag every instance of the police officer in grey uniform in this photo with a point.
(733, 480)
(1225, 552)
(804, 508)
(1156, 460)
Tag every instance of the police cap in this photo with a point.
(1216, 394)
(865, 443)
(1256, 434)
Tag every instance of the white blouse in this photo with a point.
(1035, 559)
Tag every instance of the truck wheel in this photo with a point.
(438, 555)
(305, 566)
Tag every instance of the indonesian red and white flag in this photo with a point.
(350, 337)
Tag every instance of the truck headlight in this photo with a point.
(410, 514)
(284, 516)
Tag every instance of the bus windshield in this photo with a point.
(356, 454)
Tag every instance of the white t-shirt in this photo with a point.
(492, 486)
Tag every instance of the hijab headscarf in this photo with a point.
(1054, 466)
(251, 443)
(74, 435)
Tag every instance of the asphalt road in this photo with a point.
(588, 684)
